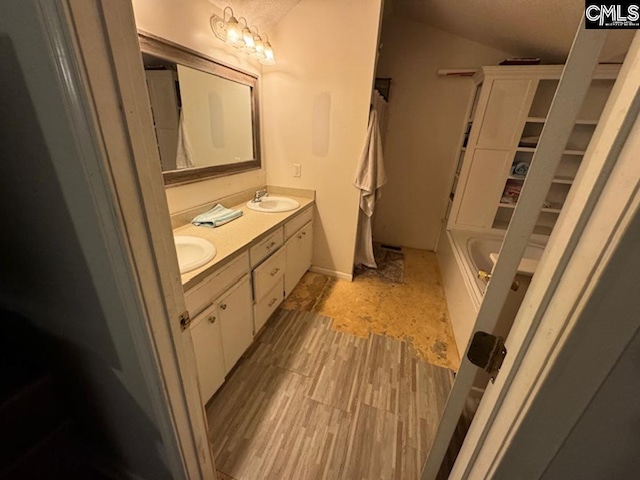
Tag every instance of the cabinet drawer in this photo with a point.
(266, 247)
(268, 304)
(203, 295)
(292, 226)
(268, 274)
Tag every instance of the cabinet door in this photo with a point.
(483, 188)
(506, 109)
(236, 321)
(207, 345)
(299, 249)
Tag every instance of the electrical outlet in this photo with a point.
(297, 170)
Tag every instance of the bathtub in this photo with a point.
(461, 254)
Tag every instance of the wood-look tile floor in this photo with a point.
(414, 311)
(309, 402)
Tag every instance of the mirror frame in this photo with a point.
(179, 54)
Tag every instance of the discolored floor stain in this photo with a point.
(414, 310)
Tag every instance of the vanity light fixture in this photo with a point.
(250, 42)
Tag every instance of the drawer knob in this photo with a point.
(223, 306)
(273, 301)
(271, 245)
(300, 237)
(212, 319)
(275, 270)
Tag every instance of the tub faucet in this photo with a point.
(486, 276)
(258, 196)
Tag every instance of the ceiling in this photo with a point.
(264, 14)
(527, 28)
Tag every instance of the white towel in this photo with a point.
(369, 179)
(184, 155)
(371, 175)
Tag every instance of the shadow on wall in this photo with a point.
(46, 279)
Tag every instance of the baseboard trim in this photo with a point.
(332, 273)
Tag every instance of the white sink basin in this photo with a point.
(273, 204)
(193, 252)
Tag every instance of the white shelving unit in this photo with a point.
(506, 117)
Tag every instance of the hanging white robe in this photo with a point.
(369, 179)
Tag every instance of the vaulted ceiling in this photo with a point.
(528, 28)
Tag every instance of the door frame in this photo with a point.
(563, 113)
(94, 46)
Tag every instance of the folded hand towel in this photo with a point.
(215, 217)
(520, 169)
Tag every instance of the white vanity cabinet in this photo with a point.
(222, 322)
(234, 302)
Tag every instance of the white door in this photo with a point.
(572, 89)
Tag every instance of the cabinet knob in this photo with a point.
(212, 319)
(275, 270)
(223, 306)
(272, 302)
(300, 237)
(271, 245)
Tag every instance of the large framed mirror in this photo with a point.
(205, 114)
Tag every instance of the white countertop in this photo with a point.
(230, 238)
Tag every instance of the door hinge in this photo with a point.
(487, 352)
(185, 320)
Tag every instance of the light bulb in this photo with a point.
(247, 36)
(269, 57)
(234, 33)
(259, 53)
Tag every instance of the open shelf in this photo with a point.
(562, 180)
(566, 152)
(544, 209)
(544, 119)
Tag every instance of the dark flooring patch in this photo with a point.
(390, 266)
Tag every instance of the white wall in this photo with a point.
(316, 106)
(426, 118)
(186, 22)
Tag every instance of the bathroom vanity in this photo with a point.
(260, 259)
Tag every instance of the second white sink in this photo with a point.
(273, 204)
(193, 252)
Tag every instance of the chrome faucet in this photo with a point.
(258, 196)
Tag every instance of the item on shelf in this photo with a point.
(520, 169)
(547, 204)
(511, 193)
(521, 61)
(531, 141)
